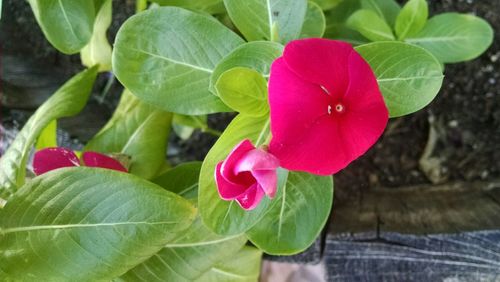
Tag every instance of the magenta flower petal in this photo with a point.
(247, 175)
(227, 190)
(94, 159)
(267, 180)
(321, 62)
(53, 158)
(322, 132)
(251, 198)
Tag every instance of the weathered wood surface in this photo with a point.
(469, 256)
(441, 233)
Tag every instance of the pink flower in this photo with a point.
(53, 158)
(326, 107)
(246, 175)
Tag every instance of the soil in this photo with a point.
(465, 116)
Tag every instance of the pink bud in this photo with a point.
(247, 175)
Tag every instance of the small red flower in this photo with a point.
(247, 175)
(326, 106)
(53, 158)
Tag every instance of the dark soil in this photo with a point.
(467, 121)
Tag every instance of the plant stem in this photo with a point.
(212, 131)
(140, 5)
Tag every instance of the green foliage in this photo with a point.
(453, 37)
(98, 50)
(244, 90)
(242, 267)
(48, 136)
(412, 18)
(254, 55)
(209, 6)
(257, 18)
(67, 24)
(408, 76)
(296, 216)
(224, 217)
(67, 101)
(165, 56)
(184, 125)
(86, 224)
(385, 9)
(187, 257)
(137, 130)
(314, 22)
(328, 4)
(181, 180)
(370, 25)
(336, 27)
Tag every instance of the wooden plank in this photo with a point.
(469, 256)
(422, 233)
(425, 209)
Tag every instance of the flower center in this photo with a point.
(338, 108)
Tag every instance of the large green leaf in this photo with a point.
(453, 37)
(209, 6)
(98, 50)
(48, 136)
(187, 257)
(254, 55)
(408, 76)
(182, 179)
(165, 56)
(86, 224)
(370, 25)
(314, 23)
(385, 9)
(67, 101)
(297, 215)
(137, 130)
(227, 217)
(67, 24)
(244, 90)
(261, 19)
(412, 18)
(242, 267)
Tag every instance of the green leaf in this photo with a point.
(254, 55)
(314, 23)
(408, 76)
(67, 101)
(86, 224)
(187, 257)
(255, 18)
(297, 215)
(227, 217)
(242, 267)
(191, 121)
(453, 37)
(137, 130)
(329, 4)
(181, 180)
(412, 18)
(209, 6)
(98, 50)
(165, 56)
(336, 27)
(244, 90)
(385, 9)
(48, 136)
(370, 25)
(67, 24)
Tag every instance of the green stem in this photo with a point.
(211, 131)
(140, 5)
(264, 135)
